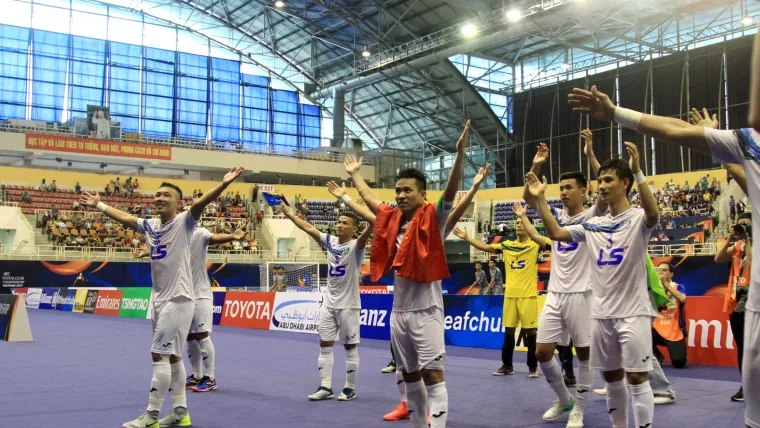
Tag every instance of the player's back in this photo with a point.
(169, 246)
(344, 270)
(569, 266)
(198, 252)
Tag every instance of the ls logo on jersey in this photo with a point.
(337, 271)
(517, 264)
(566, 246)
(158, 252)
(611, 257)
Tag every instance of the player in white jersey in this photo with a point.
(621, 310)
(341, 304)
(417, 328)
(566, 312)
(168, 239)
(741, 146)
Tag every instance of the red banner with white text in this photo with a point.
(62, 143)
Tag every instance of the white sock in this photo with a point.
(584, 378)
(177, 386)
(617, 404)
(417, 403)
(553, 373)
(325, 364)
(159, 385)
(642, 400)
(401, 385)
(438, 397)
(196, 361)
(352, 367)
(209, 355)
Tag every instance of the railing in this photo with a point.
(654, 250)
(185, 143)
(8, 204)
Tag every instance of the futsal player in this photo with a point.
(200, 349)
(621, 310)
(414, 250)
(726, 146)
(520, 292)
(341, 303)
(168, 239)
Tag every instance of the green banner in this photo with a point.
(135, 302)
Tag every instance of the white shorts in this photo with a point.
(203, 316)
(417, 339)
(622, 343)
(566, 316)
(171, 324)
(751, 369)
(339, 325)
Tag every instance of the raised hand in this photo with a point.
(520, 209)
(459, 233)
(462, 143)
(705, 121)
(542, 155)
(233, 174)
(90, 199)
(593, 102)
(588, 148)
(238, 234)
(633, 161)
(536, 187)
(335, 190)
(285, 210)
(352, 164)
(482, 174)
(139, 253)
(360, 201)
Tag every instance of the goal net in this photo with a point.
(298, 276)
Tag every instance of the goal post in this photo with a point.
(298, 276)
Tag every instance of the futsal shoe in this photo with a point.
(146, 420)
(558, 410)
(601, 391)
(191, 382)
(533, 374)
(504, 370)
(739, 396)
(177, 418)
(575, 420)
(321, 394)
(390, 368)
(664, 400)
(570, 381)
(207, 385)
(399, 413)
(348, 394)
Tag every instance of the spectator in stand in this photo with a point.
(76, 206)
(687, 187)
(26, 198)
(128, 185)
(54, 213)
(135, 187)
(480, 223)
(78, 189)
(53, 187)
(116, 186)
(109, 188)
(732, 208)
(740, 207)
(238, 200)
(43, 186)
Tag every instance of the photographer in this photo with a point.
(738, 250)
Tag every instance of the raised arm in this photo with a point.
(588, 149)
(196, 210)
(737, 171)
(353, 166)
(522, 215)
(92, 200)
(674, 291)
(726, 251)
(455, 175)
(361, 241)
(754, 104)
(542, 155)
(223, 238)
(599, 105)
(648, 201)
(361, 210)
(461, 207)
(482, 246)
(301, 224)
(553, 229)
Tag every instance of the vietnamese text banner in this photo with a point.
(62, 143)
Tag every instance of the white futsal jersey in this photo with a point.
(169, 246)
(616, 248)
(198, 251)
(741, 146)
(570, 272)
(344, 262)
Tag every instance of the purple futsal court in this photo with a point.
(94, 371)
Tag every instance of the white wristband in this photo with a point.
(101, 206)
(628, 118)
(640, 178)
(346, 198)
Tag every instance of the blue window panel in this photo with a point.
(255, 97)
(309, 110)
(310, 126)
(124, 84)
(283, 143)
(308, 143)
(158, 91)
(225, 100)
(14, 45)
(284, 101)
(284, 123)
(50, 56)
(255, 141)
(189, 130)
(87, 74)
(192, 95)
(250, 79)
(255, 119)
(157, 127)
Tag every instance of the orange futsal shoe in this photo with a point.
(399, 413)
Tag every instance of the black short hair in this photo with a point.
(492, 260)
(415, 174)
(172, 186)
(748, 216)
(621, 168)
(352, 216)
(478, 263)
(577, 176)
(670, 266)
